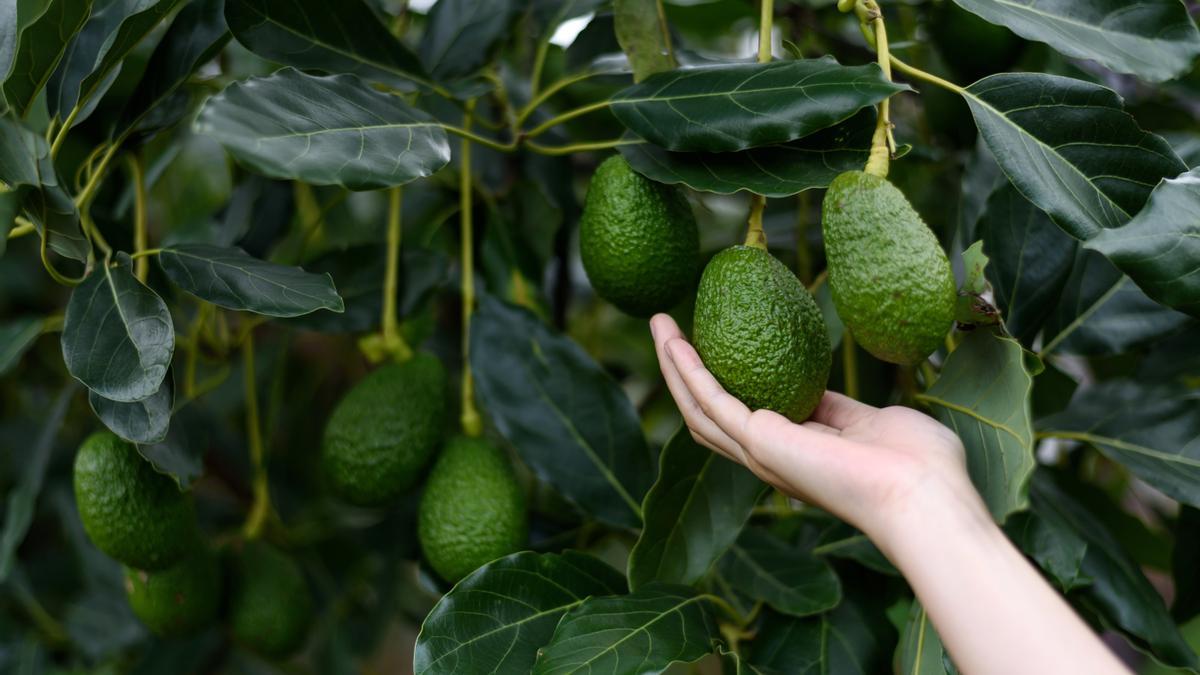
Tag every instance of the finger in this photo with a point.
(717, 404)
(704, 430)
(839, 412)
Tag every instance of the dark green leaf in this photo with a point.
(1152, 429)
(498, 618)
(920, 651)
(1070, 148)
(744, 105)
(334, 37)
(460, 34)
(1154, 39)
(644, 36)
(1174, 358)
(230, 278)
(115, 28)
(1057, 549)
(331, 130)
(44, 28)
(853, 639)
(20, 149)
(652, 628)
(27, 170)
(181, 454)
(16, 337)
(1160, 248)
(550, 14)
(983, 394)
(791, 579)
(571, 423)
(843, 541)
(694, 511)
(118, 337)
(773, 170)
(144, 421)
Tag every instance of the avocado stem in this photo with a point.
(262, 497)
(883, 143)
(393, 340)
(755, 236)
(472, 424)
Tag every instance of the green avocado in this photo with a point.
(270, 608)
(890, 279)
(384, 430)
(760, 333)
(131, 512)
(473, 509)
(180, 599)
(638, 240)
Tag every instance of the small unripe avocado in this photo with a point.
(131, 512)
(638, 240)
(269, 607)
(384, 430)
(180, 599)
(890, 279)
(761, 334)
(473, 509)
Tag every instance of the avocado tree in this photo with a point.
(319, 354)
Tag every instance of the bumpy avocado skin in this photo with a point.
(270, 608)
(638, 240)
(384, 430)
(180, 599)
(761, 334)
(130, 511)
(473, 509)
(890, 279)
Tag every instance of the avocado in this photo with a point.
(760, 333)
(890, 279)
(638, 240)
(473, 509)
(384, 430)
(131, 512)
(270, 608)
(180, 599)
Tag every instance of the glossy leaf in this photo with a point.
(643, 632)
(744, 105)
(568, 419)
(498, 618)
(20, 149)
(181, 454)
(920, 651)
(1174, 358)
(44, 28)
(117, 338)
(1160, 248)
(773, 170)
(1070, 148)
(644, 38)
(854, 638)
(230, 278)
(1154, 39)
(983, 394)
(1057, 549)
(331, 130)
(843, 541)
(28, 172)
(16, 337)
(144, 421)
(460, 34)
(693, 512)
(334, 37)
(789, 579)
(1154, 430)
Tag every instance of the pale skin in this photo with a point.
(901, 478)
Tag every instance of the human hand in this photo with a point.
(866, 465)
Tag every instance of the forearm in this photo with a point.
(994, 611)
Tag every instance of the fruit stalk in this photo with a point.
(472, 425)
(141, 264)
(392, 339)
(755, 236)
(883, 144)
(262, 497)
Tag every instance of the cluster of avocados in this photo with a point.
(756, 327)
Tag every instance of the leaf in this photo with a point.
(773, 170)
(843, 541)
(230, 278)
(1160, 248)
(643, 632)
(331, 130)
(114, 29)
(460, 34)
(20, 149)
(1058, 550)
(1120, 591)
(1154, 430)
(920, 651)
(28, 172)
(972, 308)
(16, 337)
(983, 394)
(855, 638)
(789, 579)
(644, 36)
(334, 37)
(1185, 558)
(181, 454)
(744, 105)
(1070, 148)
(44, 27)
(568, 419)
(1153, 39)
(692, 513)
(117, 338)
(144, 421)
(22, 499)
(498, 618)
(1030, 260)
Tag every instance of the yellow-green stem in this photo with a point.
(919, 74)
(666, 30)
(23, 228)
(755, 236)
(849, 365)
(144, 254)
(766, 20)
(141, 265)
(392, 338)
(553, 150)
(465, 133)
(882, 143)
(549, 91)
(472, 424)
(52, 270)
(261, 506)
(62, 133)
(564, 117)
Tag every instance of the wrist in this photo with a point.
(933, 512)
